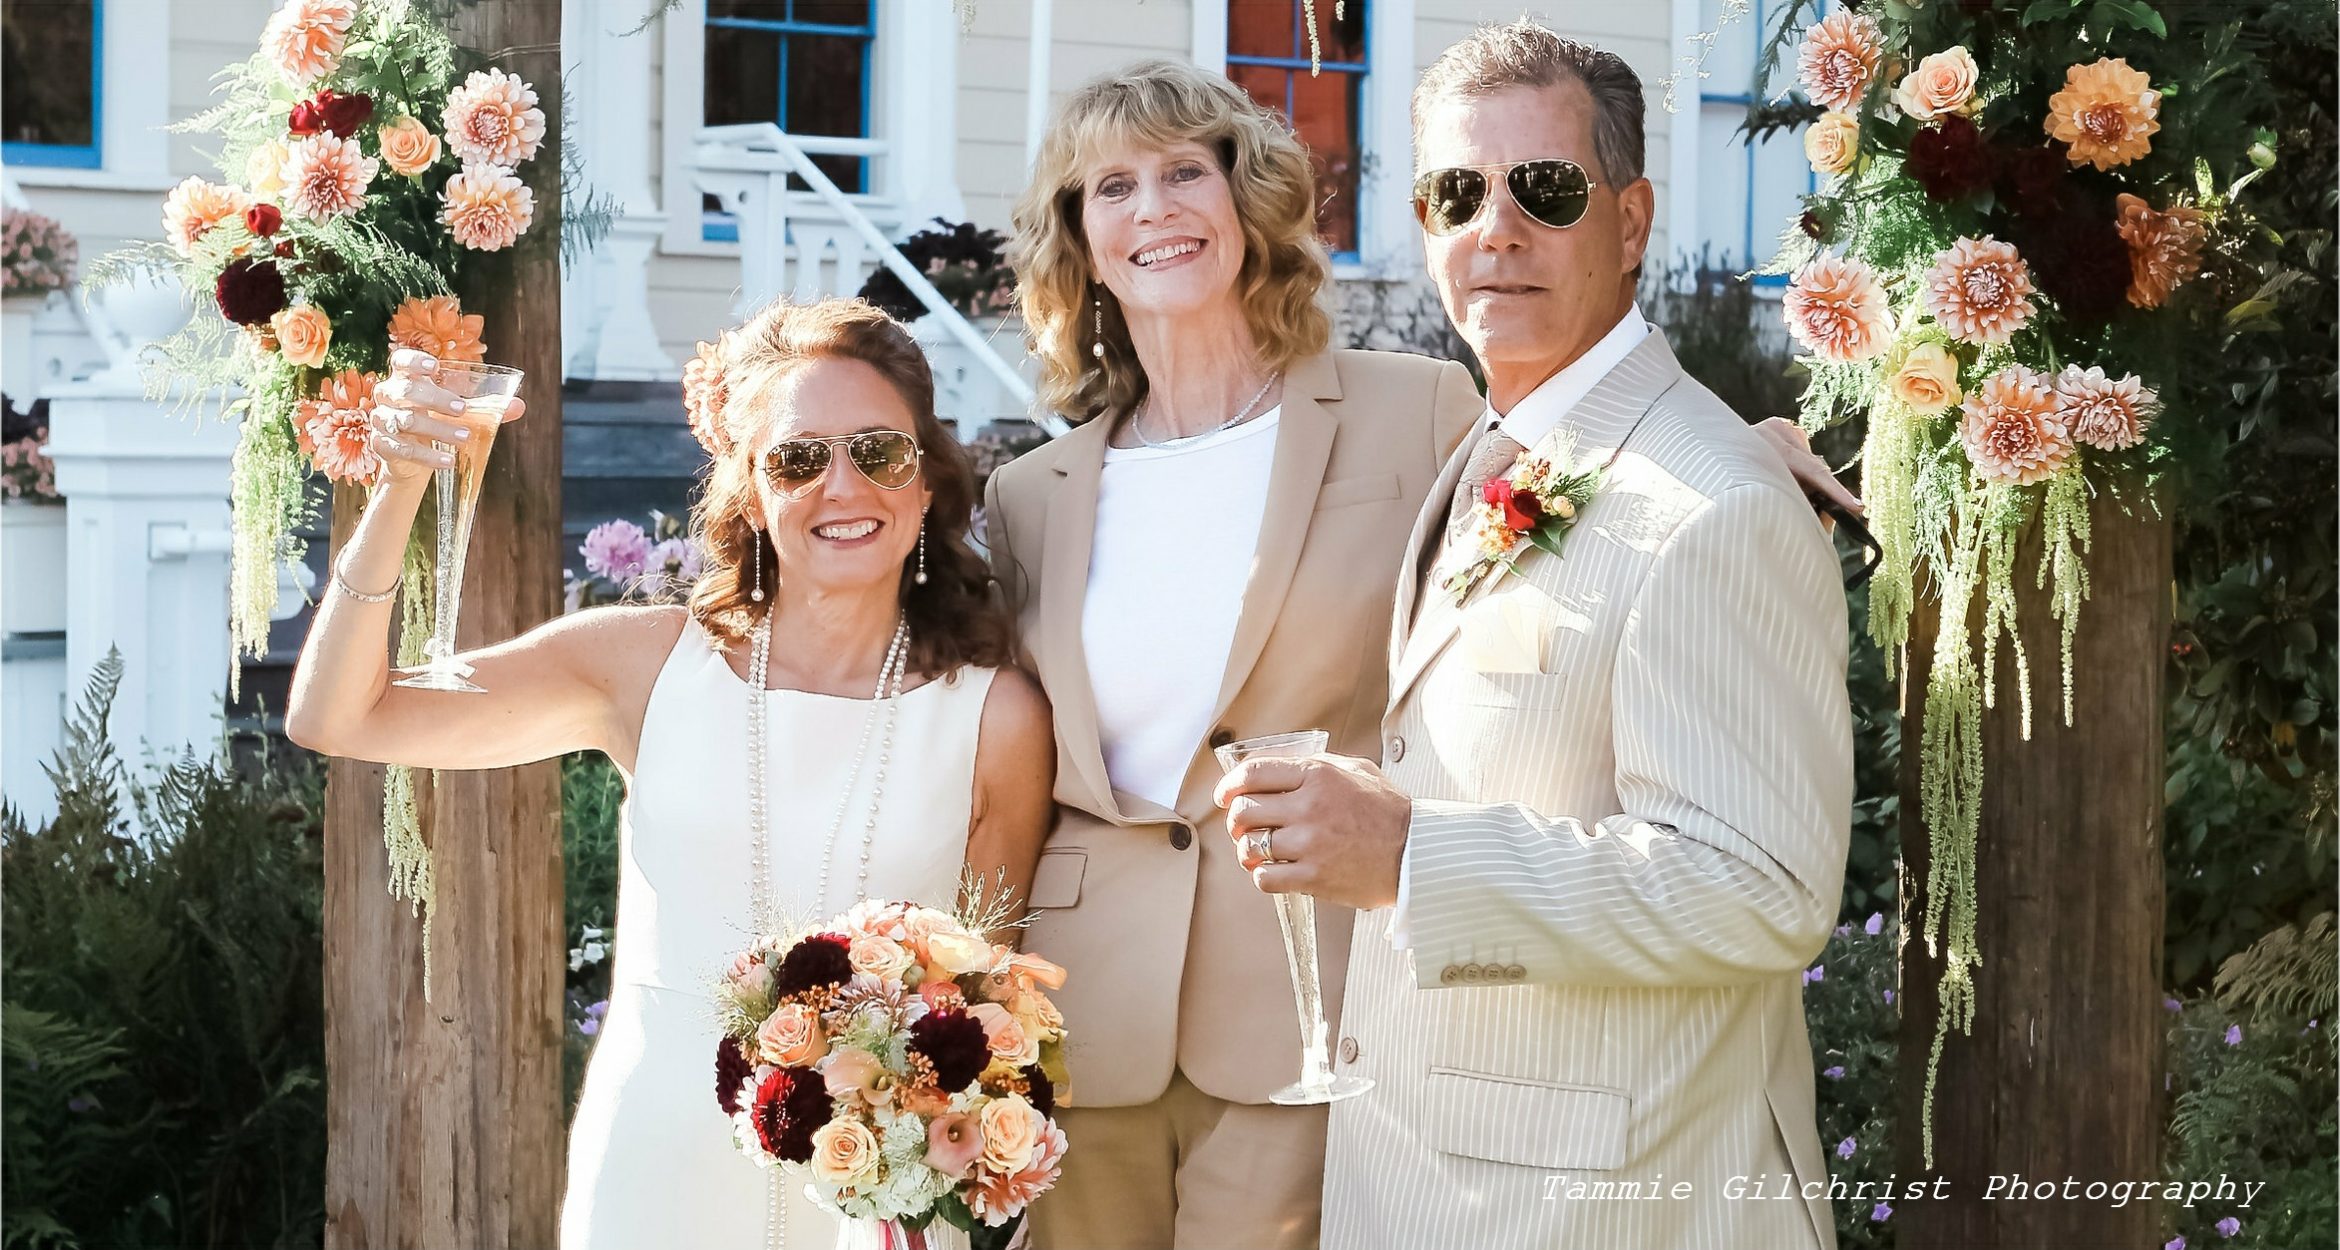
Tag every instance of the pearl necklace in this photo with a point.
(1242, 414)
(888, 698)
(766, 915)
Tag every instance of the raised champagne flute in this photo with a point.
(1297, 914)
(487, 392)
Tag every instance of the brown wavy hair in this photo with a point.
(1154, 104)
(955, 618)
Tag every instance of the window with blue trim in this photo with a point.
(53, 60)
(804, 64)
(1746, 191)
(1267, 55)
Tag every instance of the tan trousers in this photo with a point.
(1186, 1171)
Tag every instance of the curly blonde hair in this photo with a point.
(1155, 104)
(955, 618)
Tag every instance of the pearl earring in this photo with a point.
(921, 577)
(757, 556)
(1097, 348)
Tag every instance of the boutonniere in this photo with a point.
(1534, 505)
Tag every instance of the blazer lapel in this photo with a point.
(1593, 431)
(1429, 527)
(1064, 589)
(1304, 442)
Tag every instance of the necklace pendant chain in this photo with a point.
(1137, 425)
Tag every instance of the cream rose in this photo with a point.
(959, 953)
(264, 169)
(302, 334)
(1941, 84)
(845, 1153)
(1926, 380)
(791, 1036)
(1832, 142)
(1008, 1038)
(409, 147)
(1011, 1132)
(879, 957)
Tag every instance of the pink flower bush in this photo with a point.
(617, 550)
(35, 252)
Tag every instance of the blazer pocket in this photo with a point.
(1530, 1123)
(1357, 490)
(1057, 881)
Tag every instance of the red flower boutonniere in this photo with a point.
(1535, 504)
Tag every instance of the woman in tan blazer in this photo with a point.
(1211, 554)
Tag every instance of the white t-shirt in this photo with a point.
(1177, 528)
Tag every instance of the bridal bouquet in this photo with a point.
(902, 1061)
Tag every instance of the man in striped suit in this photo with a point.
(1610, 826)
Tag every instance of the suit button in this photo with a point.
(1515, 972)
(1397, 749)
(1348, 1050)
(1181, 837)
(1472, 974)
(1449, 975)
(1222, 736)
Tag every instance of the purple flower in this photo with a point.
(617, 550)
(1834, 1074)
(598, 1010)
(589, 1026)
(1845, 1148)
(2175, 1243)
(2229, 1226)
(1844, 930)
(1817, 972)
(1876, 924)
(1889, 997)
(2172, 1005)
(2234, 1035)
(1880, 1213)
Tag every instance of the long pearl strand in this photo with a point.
(766, 913)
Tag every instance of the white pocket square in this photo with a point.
(1503, 634)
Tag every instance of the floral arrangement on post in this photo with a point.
(364, 161)
(25, 472)
(902, 1060)
(37, 254)
(2028, 226)
(968, 266)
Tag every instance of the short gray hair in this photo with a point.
(1525, 54)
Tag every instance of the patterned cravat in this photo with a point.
(1494, 453)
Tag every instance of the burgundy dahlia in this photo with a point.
(771, 1109)
(1810, 224)
(2031, 179)
(954, 1042)
(343, 114)
(732, 1069)
(807, 1107)
(817, 962)
(2080, 261)
(1950, 159)
(1043, 1095)
(250, 291)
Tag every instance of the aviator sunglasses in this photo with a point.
(888, 458)
(1553, 191)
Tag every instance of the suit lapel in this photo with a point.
(1429, 527)
(1593, 432)
(1064, 589)
(1304, 442)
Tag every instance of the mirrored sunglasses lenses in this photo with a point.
(887, 458)
(1445, 200)
(797, 463)
(1553, 192)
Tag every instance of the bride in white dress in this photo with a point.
(841, 632)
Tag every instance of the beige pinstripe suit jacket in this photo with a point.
(1174, 958)
(1633, 783)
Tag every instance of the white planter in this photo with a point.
(17, 374)
(32, 567)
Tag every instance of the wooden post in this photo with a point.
(444, 1118)
(2062, 1076)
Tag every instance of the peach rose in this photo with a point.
(1941, 84)
(940, 993)
(791, 1036)
(959, 953)
(409, 147)
(845, 1153)
(264, 168)
(1927, 380)
(1006, 1034)
(853, 1073)
(953, 1143)
(302, 334)
(1011, 1131)
(879, 957)
(1037, 1014)
(1832, 142)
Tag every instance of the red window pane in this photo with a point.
(1340, 35)
(1325, 115)
(1263, 28)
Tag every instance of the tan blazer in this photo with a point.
(1175, 960)
(1632, 767)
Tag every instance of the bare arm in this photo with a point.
(571, 684)
(1015, 778)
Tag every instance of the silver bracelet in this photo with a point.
(359, 595)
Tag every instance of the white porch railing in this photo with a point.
(824, 242)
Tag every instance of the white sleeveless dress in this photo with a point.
(651, 1159)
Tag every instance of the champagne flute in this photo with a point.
(1297, 914)
(486, 392)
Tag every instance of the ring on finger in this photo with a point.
(392, 420)
(1259, 847)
